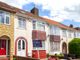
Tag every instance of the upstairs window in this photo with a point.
(74, 34)
(64, 33)
(78, 34)
(41, 26)
(4, 17)
(34, 24)
(22, 22)
(54, 30)
(70, 34)
(38, 25)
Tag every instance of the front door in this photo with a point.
(21, 45)
(64, 48)
(2, 47)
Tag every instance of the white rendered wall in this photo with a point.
(26, 33)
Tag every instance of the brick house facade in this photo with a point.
(26, 34)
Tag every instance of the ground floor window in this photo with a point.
(38, 44)
(54, 46)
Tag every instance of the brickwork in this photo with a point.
(8, 30)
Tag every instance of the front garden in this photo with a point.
(74, 51)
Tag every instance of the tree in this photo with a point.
(74, 47)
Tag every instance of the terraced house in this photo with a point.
(27, 34)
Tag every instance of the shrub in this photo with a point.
(14, 58)
(47, 55)
(56, 55)
(74, 47)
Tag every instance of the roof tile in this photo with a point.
(9, 8)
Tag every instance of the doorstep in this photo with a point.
(4, 57)
(44, 59)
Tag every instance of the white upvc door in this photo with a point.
(21, 48)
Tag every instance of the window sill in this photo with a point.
(39, 30)
(21, 28)
(5, 24)
(38, 49)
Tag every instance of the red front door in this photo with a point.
(2, 47)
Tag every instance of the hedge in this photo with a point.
(74, 47)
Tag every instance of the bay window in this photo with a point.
(51, 46)
(38, 44)
(4, 17)
(54, 46)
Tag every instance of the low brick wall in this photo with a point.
(75, 59)
(67, 59)
(23, 58)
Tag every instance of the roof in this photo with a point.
(6, 7)
(12, 9)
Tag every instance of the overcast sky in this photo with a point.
(64, 11)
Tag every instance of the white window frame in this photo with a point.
(54, 46)
(40, 48)
(64, 33)
(54, 30)
(5, 14)
(69, 34)
(74, 34)
(39, 25)
(20, 44)
(24, 23)
(34, 23)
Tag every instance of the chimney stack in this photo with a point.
(71, 25)
(77, 28)
(35, 11)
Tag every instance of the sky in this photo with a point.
(63, 11)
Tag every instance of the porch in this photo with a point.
(4, 48)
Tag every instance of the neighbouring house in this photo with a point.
(27, 34)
